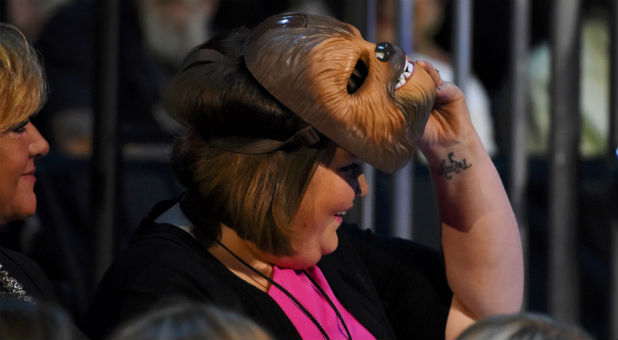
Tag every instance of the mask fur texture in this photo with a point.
(306, 62)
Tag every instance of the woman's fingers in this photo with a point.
(433, 72)
(447, 92)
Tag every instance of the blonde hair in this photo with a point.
(22, 84)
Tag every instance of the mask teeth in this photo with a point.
(405, 75)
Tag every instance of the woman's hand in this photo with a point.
(449, 122)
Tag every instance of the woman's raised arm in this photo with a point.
(480, 237)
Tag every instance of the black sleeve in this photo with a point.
(410, 280)
(138, 281)
(29, 274)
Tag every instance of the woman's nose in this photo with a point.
(38, 145)
(363, 188)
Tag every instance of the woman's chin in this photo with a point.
(298, 262)
(22, 208)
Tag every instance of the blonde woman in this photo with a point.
(22, 93)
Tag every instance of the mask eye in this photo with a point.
(357, 78)
(384, 51)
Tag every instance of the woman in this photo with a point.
(279, 120)
(22, 93)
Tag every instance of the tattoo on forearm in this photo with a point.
(451, 166)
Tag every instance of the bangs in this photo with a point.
(19, 104)
(22, 85)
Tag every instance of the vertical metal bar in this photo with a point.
(405, 25)
(105, 130)
(402, 202)
(612, 169)
(462, 41)
(354, 13)
(368, 204)
(402, 179)
(518, 160)
(4, 11)
(371, 20)
(563, 278)
(613, 322)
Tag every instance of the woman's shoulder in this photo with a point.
(163, 258)
(27, 272)
(17, 258)
(162, 261)
(161, 248)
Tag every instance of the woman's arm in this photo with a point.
(480, 238)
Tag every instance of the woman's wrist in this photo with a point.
(453, 158)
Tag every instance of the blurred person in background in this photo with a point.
(41, 320)
(522, 326)
(154, 36)
(185, 320)
(594, 86)
(29, 16)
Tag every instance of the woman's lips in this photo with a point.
(339, 215)
(29, 175)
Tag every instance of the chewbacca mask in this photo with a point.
(369, 99)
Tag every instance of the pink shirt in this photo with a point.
(299, 285)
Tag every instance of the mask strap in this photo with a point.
(306, 137)
(202, 56)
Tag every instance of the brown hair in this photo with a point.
(22, 86)
(257, 194)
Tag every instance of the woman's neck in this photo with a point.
(248, 253)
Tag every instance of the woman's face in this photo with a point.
(19, 146)
(329, 195)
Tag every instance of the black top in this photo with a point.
(394, 287)
(28, 273)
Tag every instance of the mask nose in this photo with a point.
(384, 51)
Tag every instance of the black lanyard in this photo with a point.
(300, 305)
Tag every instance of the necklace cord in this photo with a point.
(330, 302)
(286, 292)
